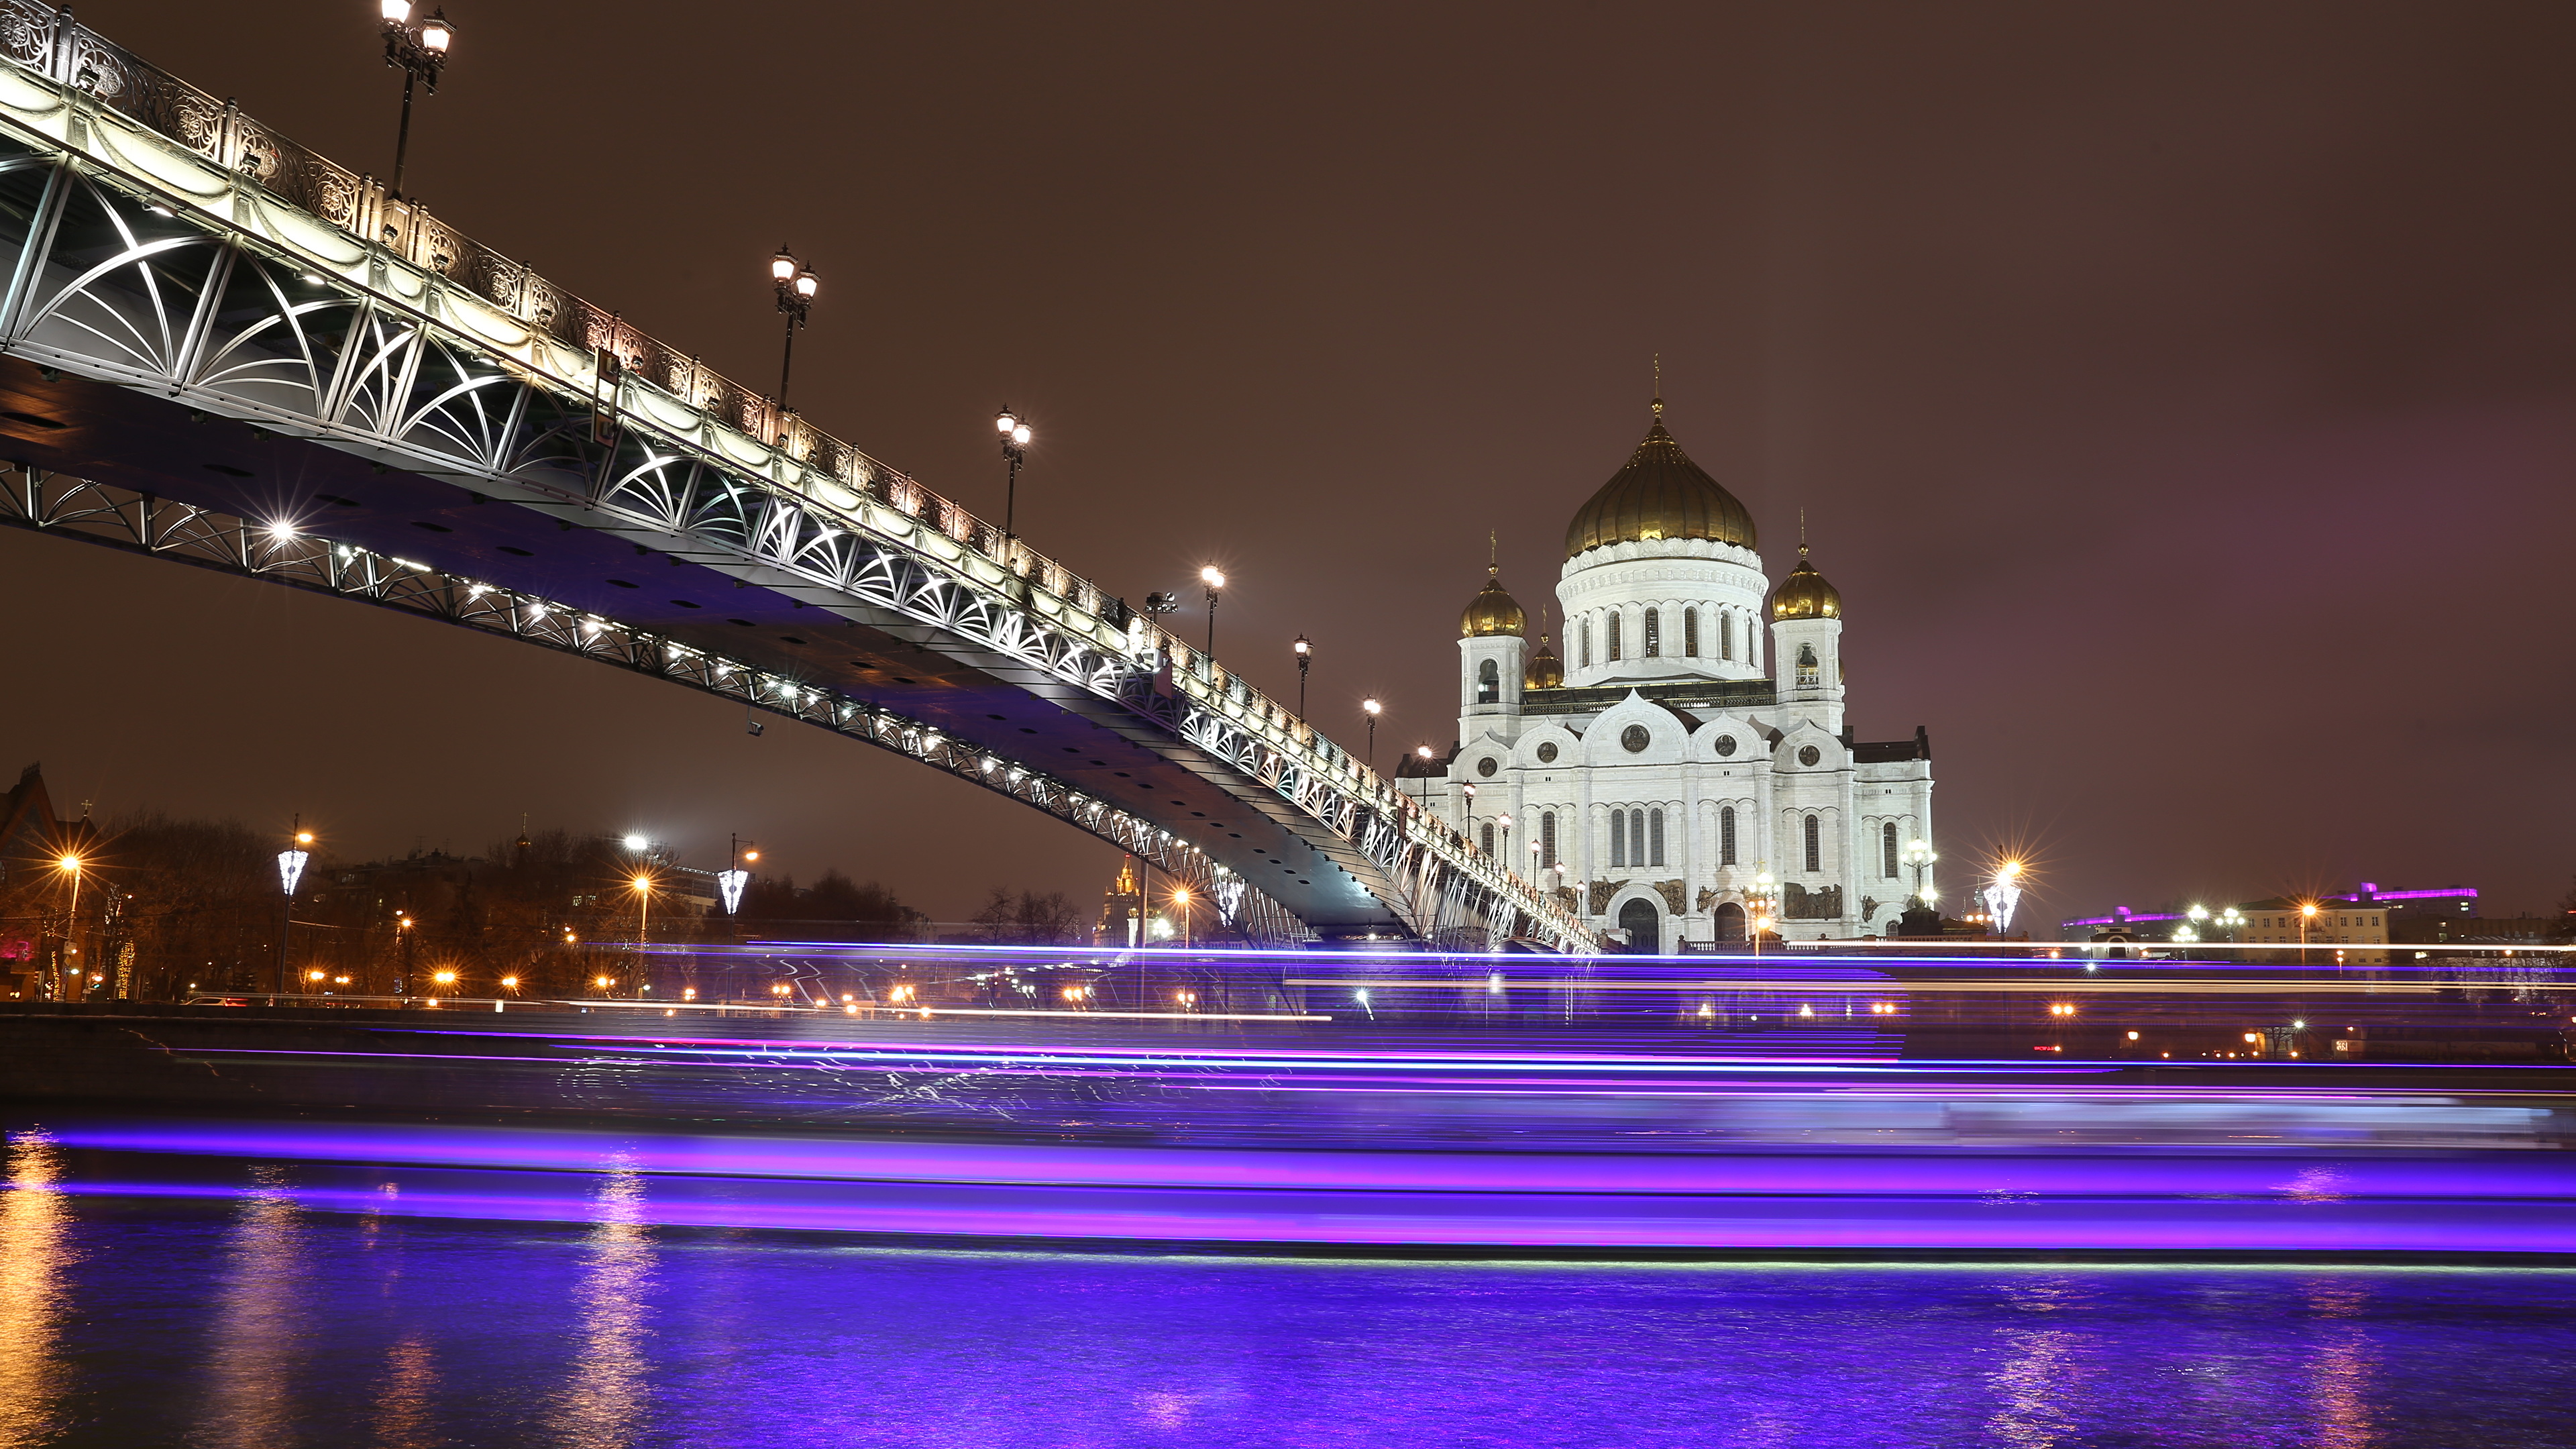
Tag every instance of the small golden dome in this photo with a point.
(1804, 594)
(1545, 670)
(1661, 493)
(1492, 611)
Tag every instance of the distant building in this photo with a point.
(2368, 915)
(1122, 911)
(32, 840)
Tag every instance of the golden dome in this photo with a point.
(1804, 594)
(1545, 670)
(1661, 493)
(1492, 611)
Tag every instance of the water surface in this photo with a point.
(247, 1318)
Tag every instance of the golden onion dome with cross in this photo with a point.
(1659, 494)
(1492, 611)
(1804, 594)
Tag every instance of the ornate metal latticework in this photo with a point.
(136, 523)
(164, 242)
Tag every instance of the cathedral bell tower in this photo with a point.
(1806, 646)
(1490, 661)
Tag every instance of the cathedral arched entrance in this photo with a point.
(1644, 925)
(1729, 919)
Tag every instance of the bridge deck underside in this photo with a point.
(129, 439)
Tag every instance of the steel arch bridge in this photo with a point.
(220, 348)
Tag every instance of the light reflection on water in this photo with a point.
(34, 1256)
(2341, 1363)
(248, 1316)
(259, 1320)
(604, 1399)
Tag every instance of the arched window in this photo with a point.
(1654, 633)
(1489, 683)
(1887, 848)
(1815, 844)
(1612, 655)
(1655, 836)
(1807, 664)
(1636, 837)
(1547, 841)
(1726, 636)
(1587, 643)
(1726, 835)
(1690, 633)
(1619, 838)
(1485, 836)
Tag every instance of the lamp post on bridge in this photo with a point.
(1305, 648)
(421, 53)
(1423, 753)
(1372, 708)
(796, 284)
(1214, 579)
(1015, 441)
(1157, 604)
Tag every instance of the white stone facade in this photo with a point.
(1661, 780)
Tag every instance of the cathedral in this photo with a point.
(1684, 769)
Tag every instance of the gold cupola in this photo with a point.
(1544, 670)
(1492, 611)
(1660, 494)
(1804, 594)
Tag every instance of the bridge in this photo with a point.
(219, 348)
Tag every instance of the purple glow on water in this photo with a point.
(239, 1314)
(2245, 1201)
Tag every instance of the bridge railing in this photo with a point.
(594, 351)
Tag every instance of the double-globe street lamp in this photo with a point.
(420, 52)
(796, 285)
(1015, 442)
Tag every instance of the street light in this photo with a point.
(1180, 896)
(796, 286)
(731, 880)
(1015, 441)
(71, 866)
(1423, 753)
(643, 888)
(1372, 708)
(1919, 854)
(1305, 648)
(2003, 896)
(421, 53)
(1214, 579)
(1762, 919)
(2307, 918)
(290, 869)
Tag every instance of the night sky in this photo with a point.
(2182, 397)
